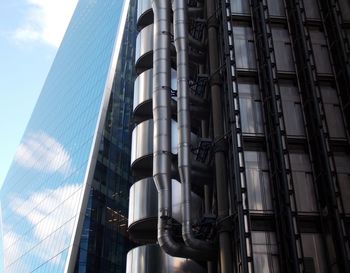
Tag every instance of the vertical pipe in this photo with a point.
(218, 129)
(184, 124)
(162, 133)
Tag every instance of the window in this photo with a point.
(240, 6)
(283, 49)
(309, 265)
(303, 182)
(250, 105)
(311, 9)
(333, 112)
(320, 50)
(258, 184)
(244, 46)
(293, 116)
(342, 162)
(265, 252)
(313, 249)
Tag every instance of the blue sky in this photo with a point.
(30, 33)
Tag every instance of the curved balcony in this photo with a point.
(144, 49)
(142, 153)
(142, 148)
(151, 259)
(143, 94)
(144, 13)
(143, 209)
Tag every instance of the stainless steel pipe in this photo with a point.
(226, 263)
(184, 124)
(162, 132)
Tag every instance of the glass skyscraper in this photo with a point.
(64, 202)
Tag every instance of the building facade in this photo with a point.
(64, 202)
(188, 136)
(261, 130)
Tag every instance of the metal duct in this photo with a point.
(226, 264)
(162, 131)
(184, 124)
(151, 259)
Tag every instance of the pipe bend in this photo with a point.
(181, 39)
(162, 133)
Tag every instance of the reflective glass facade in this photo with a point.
(104, 242)
(43, 200)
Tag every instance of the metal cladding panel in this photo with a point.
(303, 182)
(258, 184)
(292, 106)
(45, 192)
(313, 248)
(251, 112)
(151, 259)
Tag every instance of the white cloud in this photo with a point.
(41, 152)
(48, 215)
(46, 21)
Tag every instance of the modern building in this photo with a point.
(64, 201)
(188, 136)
